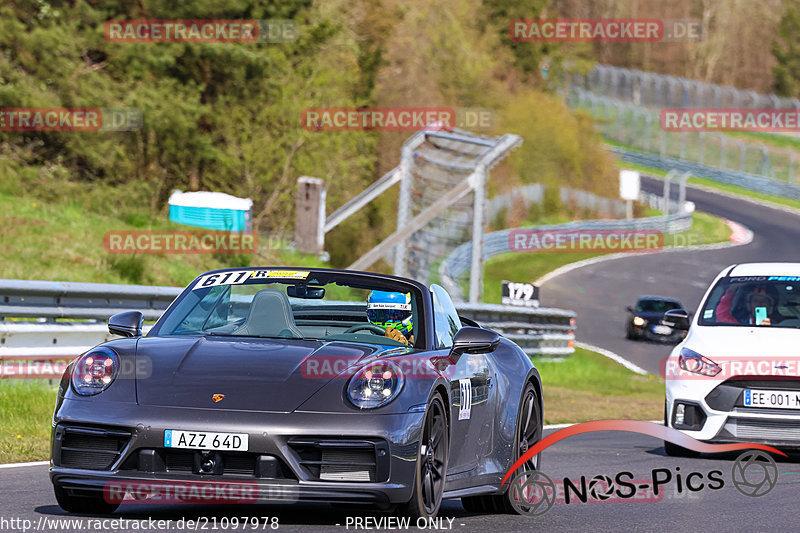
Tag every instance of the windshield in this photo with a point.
(296, 304)
(753, 301)
(656, 306)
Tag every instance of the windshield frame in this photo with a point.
(367, 280)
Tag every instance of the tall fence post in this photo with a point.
(309, 228)
(403, 211)
(475, 275)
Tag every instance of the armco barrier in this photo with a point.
(496, 242)
(69, 318)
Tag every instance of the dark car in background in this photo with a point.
(644, 320)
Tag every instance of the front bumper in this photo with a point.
(302, 456)
(723, 418)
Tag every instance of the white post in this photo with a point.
(475, 275)
(403, 208)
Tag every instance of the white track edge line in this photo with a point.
(633, 367)
(17, 465)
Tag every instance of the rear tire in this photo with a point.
(83, 504)
(434, 450)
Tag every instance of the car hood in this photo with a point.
(252, 374)
(728, 344)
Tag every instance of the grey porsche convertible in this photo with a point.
(310, 385)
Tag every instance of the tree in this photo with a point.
(786, 50)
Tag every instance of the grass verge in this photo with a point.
(587, 386)
(27, 408)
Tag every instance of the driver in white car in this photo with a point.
(757, 296)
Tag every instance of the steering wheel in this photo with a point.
(371, 327)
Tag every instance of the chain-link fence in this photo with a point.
(650, 89)
(742, 160)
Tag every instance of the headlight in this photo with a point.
(95, 371)
(375, 385)
(638, 321)
(698, 364)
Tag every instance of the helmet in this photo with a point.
(390, 310)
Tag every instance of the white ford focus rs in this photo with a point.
(736, 375)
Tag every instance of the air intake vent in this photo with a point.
(757, 429)
(89, 448)
(331, 459)
(346, 465)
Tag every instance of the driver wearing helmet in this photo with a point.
(761, 295)
(392, 311)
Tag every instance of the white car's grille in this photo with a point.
(748, 428)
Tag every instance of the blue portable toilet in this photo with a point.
(212, 210)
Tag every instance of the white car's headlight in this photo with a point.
(375, 385)
(94, 371)
(692, 361)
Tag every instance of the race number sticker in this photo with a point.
(285, 274)
(466, 399)
(223, 278)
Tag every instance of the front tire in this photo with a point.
(83, 504)
(434, 451)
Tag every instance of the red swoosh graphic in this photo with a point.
(636, 426)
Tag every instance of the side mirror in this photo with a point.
(676, 318)
(629, 309)
(475, 340)
(127, 324)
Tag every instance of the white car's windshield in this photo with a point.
(753, 301)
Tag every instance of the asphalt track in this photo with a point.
(599, 293)
(26, 494)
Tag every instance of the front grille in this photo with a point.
(179, 461)
(327, 459)
(89, 448)
(231, 464)
(758, 429)
(244, 465)
(764, 411)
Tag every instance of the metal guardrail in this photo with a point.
(496, 243)
(59, 299)
(56, 335)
